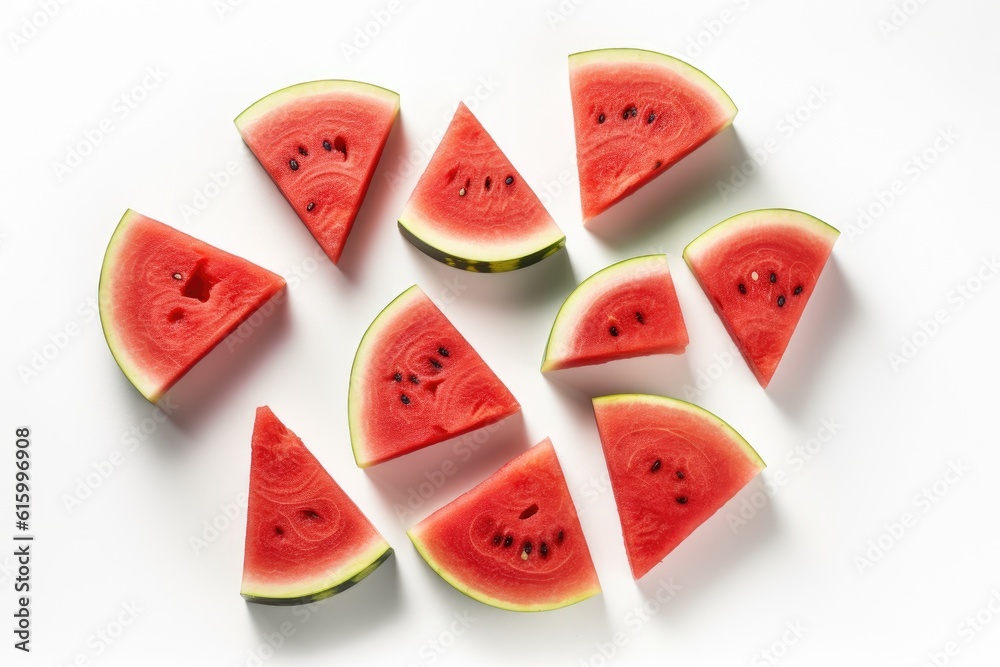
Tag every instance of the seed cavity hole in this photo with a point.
(176, 315)
(199, 284)
(279, 531)
(529, 512)
(340, 146)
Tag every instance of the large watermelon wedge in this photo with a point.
(628, 309)
(320, 142)
(672, 465)
(166, 299)
(472, 210)
(416, 381)
(636, 113)
(306, 539)
(759, 269)
(514, 541)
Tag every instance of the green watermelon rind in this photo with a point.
(697, 410)
(283, 96)
(321, 588)
(146, 386)
(678, 66)
(582, 296)
(468, 591)
(502, 258)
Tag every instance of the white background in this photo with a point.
(879, 99)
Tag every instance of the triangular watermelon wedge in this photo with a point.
(759, 269)
(306, 539)
(320, 143)
(628, 309)
(416, 381)
(166, 299)
(515, 541)
(636, 113)
(471, 209)
(672, 465)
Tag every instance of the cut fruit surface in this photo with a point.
(759, 269)
(306, 539)
(672, 465)
(472, 210)
(636, 113)
(166, 299)
(628, 309)
(515, 541)
(320, 143)
(416, 381)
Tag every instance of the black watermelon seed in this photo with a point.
(600, 119)
(278, 531)
(443, 351)
(781, 301)
(798, 290)
(639, 318)
(774, 277)
(435, 363)
(651, 118)
(543, 549)
(302, 151)
(613, 331)
(527, 548)
(327, 146)
(509, 540)
(682, 499)
(310, 206)
(405, 399)
(657, 165)
(743, 288)
(656, 466)
(680, 474)
(294, 164)
(487, 183)
(497, 538)
(560, 537)
(508, 180)
(414, 379)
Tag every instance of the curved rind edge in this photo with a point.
(282, 96)
(730, 225)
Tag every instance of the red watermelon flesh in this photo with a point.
(759, 269)
(471, 209)
(166, 299)
(636, 113)
(514, 541)
(306, 539)
(417, 381)
(628, 309)
(672, 466)
(320, 143)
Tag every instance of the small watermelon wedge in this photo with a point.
(759, 269)
(320, 142)
(306, 539)
(636, 113)
(471, 209)
(515, 541)
(672, 465)
(417, 381)
(628, 309)
(166, 299)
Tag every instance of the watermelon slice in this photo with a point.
(628, 309)
(758, 269)
(320, 142)
(166, 299)
(472, 210)
(672, 465)
(636, 113)
(514, 541)
(306, 539)
(416, 382)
